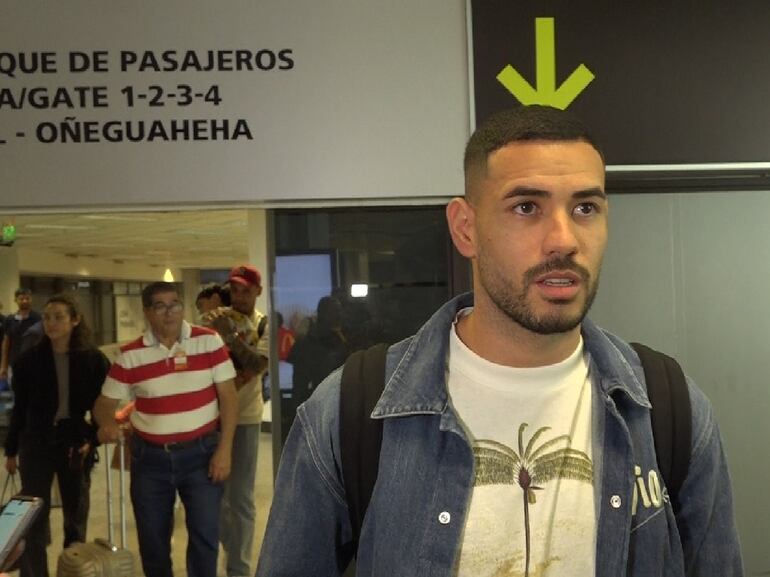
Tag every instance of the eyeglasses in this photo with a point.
(160, 308)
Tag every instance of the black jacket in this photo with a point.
(36, 394)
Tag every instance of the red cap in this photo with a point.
(246, 274)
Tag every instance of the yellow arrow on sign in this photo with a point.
(545, 65)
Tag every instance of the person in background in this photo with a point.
(14, 326)
(320, 351)
(183, 422)
(211, 298)
(56, 383)
(245, 331)
(286, 339)
(32, 336)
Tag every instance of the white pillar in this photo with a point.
(9, 278)
(191, 281)
(256, 232)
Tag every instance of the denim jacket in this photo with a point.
(416, 517)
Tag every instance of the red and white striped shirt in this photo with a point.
(174, 389)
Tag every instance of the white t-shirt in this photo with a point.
(545, 413)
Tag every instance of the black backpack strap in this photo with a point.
(363, 380)
(261, 326)
(671, 416)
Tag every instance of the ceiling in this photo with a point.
(185, 239)
(209, 238)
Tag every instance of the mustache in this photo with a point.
(559, 263)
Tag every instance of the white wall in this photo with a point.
(9, 278)
(129, 317)
(257, 239)
(191, 280)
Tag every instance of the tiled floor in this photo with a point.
(97, 526)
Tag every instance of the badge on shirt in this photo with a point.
(180, 360)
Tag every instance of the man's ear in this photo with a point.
(460, 218)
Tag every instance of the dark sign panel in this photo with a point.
(659, 82)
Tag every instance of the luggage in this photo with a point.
(102, 558)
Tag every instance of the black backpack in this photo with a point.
(363, 380)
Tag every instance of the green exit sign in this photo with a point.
(9, 233)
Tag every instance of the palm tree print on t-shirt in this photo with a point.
(531, 468)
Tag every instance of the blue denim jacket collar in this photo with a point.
(413, 387)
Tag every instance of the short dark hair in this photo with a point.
(155, 288)
(208, 292)
(520, 124)
(21, 291)
(329, 312)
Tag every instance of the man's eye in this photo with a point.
(525, 208)
(586, 208)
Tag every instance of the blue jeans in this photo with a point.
(156, 477)
(238, 509)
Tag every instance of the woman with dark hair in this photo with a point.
(55, 383)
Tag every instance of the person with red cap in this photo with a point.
(244, 330)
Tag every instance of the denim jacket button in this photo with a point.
(615, 501)
(444, 517)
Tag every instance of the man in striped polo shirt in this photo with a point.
(181, 378)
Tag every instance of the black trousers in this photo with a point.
(38, 461)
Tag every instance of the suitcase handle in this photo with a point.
(106, 544)
(122, 492)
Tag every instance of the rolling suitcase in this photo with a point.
(102, 558)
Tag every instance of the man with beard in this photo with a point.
(244, 329)
(516, 433)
